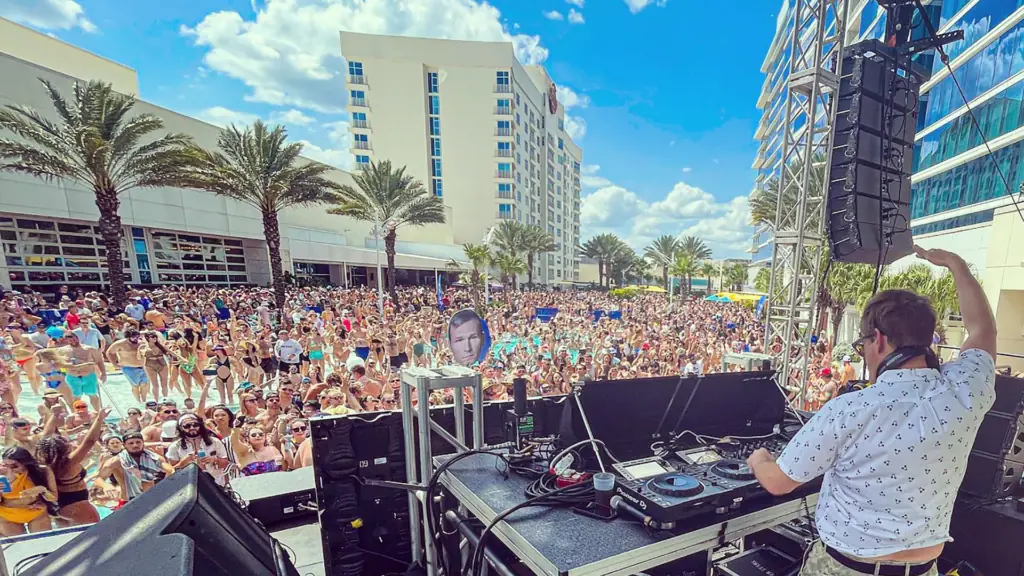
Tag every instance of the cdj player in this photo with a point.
(679, 485)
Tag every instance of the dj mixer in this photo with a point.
(686, 483)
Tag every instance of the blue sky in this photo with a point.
(661, 92)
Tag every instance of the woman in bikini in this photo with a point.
(154, 354)
(340, 349)
(32, 496)
(224, 376)
(249, 354)
(314, 345)
(261, 457)
(66, 462)
(190, 369)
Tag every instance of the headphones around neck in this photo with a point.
(904, 354)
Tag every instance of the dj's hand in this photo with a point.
(760, 456)
(939, 257)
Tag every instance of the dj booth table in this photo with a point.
(559, 542)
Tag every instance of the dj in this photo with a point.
(893, 455)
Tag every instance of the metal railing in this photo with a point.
(359, 102)
(503, 110)
(506, 195)
(503, 153)
(360, 123)
(357, 79)
(362, 145)
(502, 88)
(505, 215)
(502, 131)
(503, 174)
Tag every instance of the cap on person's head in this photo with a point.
(151, 404)
(847, 359)
(55, 332)
(131, 435)
(51, 393)
(826, 372)
(79, 405)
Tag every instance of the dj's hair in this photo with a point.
(906, 318)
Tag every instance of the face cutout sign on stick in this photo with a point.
(468, 337)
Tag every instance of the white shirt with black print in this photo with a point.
(893, 455)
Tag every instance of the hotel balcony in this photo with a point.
(357, 79)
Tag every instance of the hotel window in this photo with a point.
(435, 146)
(503, 78)
(504, 146)
(504, 128)
(44, 251)
(561, 124)
(518, 121)
(505, 211)
(435, 167)
(355, 68)
(432, 82)
(357, 94)
(505, 191)
(518, 141)
(504, 167)
(559, 231)
(435, 126)
(561, 144)
(435, 105)
(436, 187)
(187, 258)
(517, 99)
(362, 161)
(504, 103)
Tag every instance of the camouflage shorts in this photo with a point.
(819, 563)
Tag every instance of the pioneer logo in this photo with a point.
(642, 504)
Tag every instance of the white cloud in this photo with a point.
(575, 127)
(685, 210)
(292, 116)
(687, 169)
(577, 3)
(335, 157)
(575, 17)
(554, 15)
(47, 14)
(571, 99)
(223, 117)
(590, 179)
(635, 6)
(288, 54)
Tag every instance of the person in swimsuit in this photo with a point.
(221, 365)
(192, 349)
(51, 366)
(261, 457)
(125, 354)
(315, 346)
(86, 372)
(66, 461)
(154, 356)
(33, 494)
(23, 348)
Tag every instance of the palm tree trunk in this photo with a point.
(600, 272)
(664, 277)
(110, 229)
(272, 232)
(837, 318)
(389, 248)
(529, 269)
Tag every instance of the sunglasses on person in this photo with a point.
(298, 429)
(860, 343)
(256, 435)
(21, 423)
(171, 412)
(190, 426)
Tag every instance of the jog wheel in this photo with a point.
(734, 469)
(675, 484)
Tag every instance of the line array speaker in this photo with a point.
(996, 462)
(868, 205)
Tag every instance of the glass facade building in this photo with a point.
(956, 183)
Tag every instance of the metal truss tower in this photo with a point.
(816, 47)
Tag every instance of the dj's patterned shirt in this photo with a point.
(893, 455)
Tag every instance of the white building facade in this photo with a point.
(480, 130)
(171, 236)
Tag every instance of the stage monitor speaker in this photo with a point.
(868, 203)
(184, 525)
(996, 463)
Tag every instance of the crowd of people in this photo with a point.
(224, 379)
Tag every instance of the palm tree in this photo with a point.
(695, 248)
(684, 267)
(602, 248)
(258, 167)
(662, 252)
(479, 256)
(762, 280)
(390, 199)
(707, 270)
(764, 204)
(736, 275)
(510, 237)
(95, 142)
(510, 266)
(537, 241)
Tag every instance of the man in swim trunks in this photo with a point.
(124, 354)
(87, 370)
